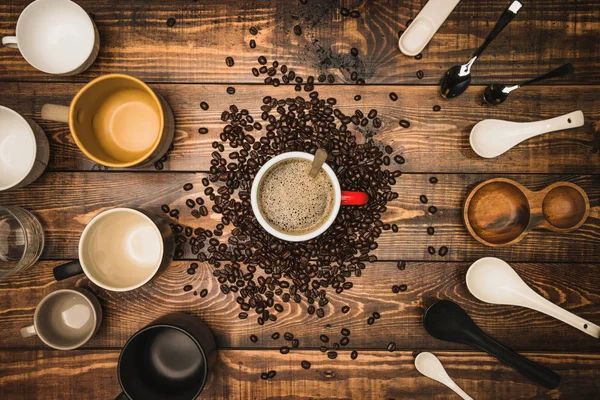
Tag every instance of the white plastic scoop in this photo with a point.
(493, 137)
(430, 366)
(425, 25)
(494, 281)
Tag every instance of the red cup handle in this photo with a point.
(354, 198)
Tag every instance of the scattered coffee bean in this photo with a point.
(403, 287)
(204, 105)
(432, 209)
(332, 355)
(401, 265)
(231, 90)
(203, 293)
(323, 349)
(284, 350)
(443, 251)
(436, 108)
(298, 30)
(433, 180)
(431, 250)
(354, 52)
(275, 336)
(345, 12)
(410, 21)
(271, 374)
(264, 376)
(345, 332)
(404, 123)
(165, 208)
(262, 60)
(295, 343)
(399, 159)
(370, 320)
(419, 56)
(420, 74)
(345, 309)
(376, 315)
(395, 288)
(203, 131)
(430, 230)
(355, 13)
(357, 97)
(253, 45)
(187, 288)
(305, 364)
(423, 199)
(344, 341)
(229, 61)
(253, 30)
(171, 22)
(393, 96)
(354, 355)
(324, 338)
(187, 187)
(288, 336)
(253, 338)
(243, 315)
(391, 347)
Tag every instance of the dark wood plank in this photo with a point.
(373, 375)
(572, 286)
(135, 39)
(65, 202)
(435, 141)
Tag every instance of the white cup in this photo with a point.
(121, 249)
(341, 198)
(56, 36)
(24, 150)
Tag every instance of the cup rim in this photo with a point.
(284, 236)
(94, 221)
(54, 294)
(33, 159)
(170, 326)
(30, 8)
(147, 89)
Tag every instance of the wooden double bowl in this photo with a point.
(500, 212)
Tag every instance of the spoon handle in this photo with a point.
(508, 15)
(528, 130)
(542, 305)
(535, 371)
(452, 385)
(560, 71)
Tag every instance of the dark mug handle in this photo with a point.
(122, 396)
(67, 270)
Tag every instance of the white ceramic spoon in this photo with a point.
(431, 367)
(493, 137)
(494, 281)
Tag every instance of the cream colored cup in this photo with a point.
(24, 150)
(121, 249)
(56, 36)
(65, 319)
(117, 121)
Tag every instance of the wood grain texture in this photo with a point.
(373, 375)
(572, 286)
(135, 39)
(435, 141)
(65, 202)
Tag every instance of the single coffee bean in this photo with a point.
(262, 60)
(295, 343)
(253, 338)
(345, 309)
(324, 338)
(430, 230)
(354, 52)
(305, 364)
(230, 90)
(253, 30)
(171, 22)
(187, 187)
(376, 315)
(204, 105)
(275, 336)
(401, 265)
(264, 376)
(443, 251)
(203, 131)
(288, 336)
(399, 159)
(298, 30)
(252, 43)
(203, 293)
(419, 56)
(332, 355)
(229, 61)
(284, 350)
(436, 108)
(391, 346)
(271, 374)
(433, 180)
(187, 288)
(393, 96)
(394, 228)
(423, 199)
(370, 320)
(243, 315)
(355, 13)
(403, 287)
(357, 97)
(420, 74)
(345, 332)
(344, 341)
(431, 250)
(354, 355)
(404, 123)
(165, 208)
(395, 289)
(345, 12)
(360, 81)
(323, 349)
(432, 209)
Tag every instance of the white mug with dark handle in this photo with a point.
(56, 36)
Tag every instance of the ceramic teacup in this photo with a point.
(341, 198)
(65, 319)
(56, 36)
(121, 249)
(24, 150)
(117, 121)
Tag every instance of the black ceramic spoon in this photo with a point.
(496, 93)
(458, 78)
(446, 320)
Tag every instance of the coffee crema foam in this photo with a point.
(293, 202)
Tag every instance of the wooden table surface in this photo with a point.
(186, 64)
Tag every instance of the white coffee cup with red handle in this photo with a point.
(341, 198)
